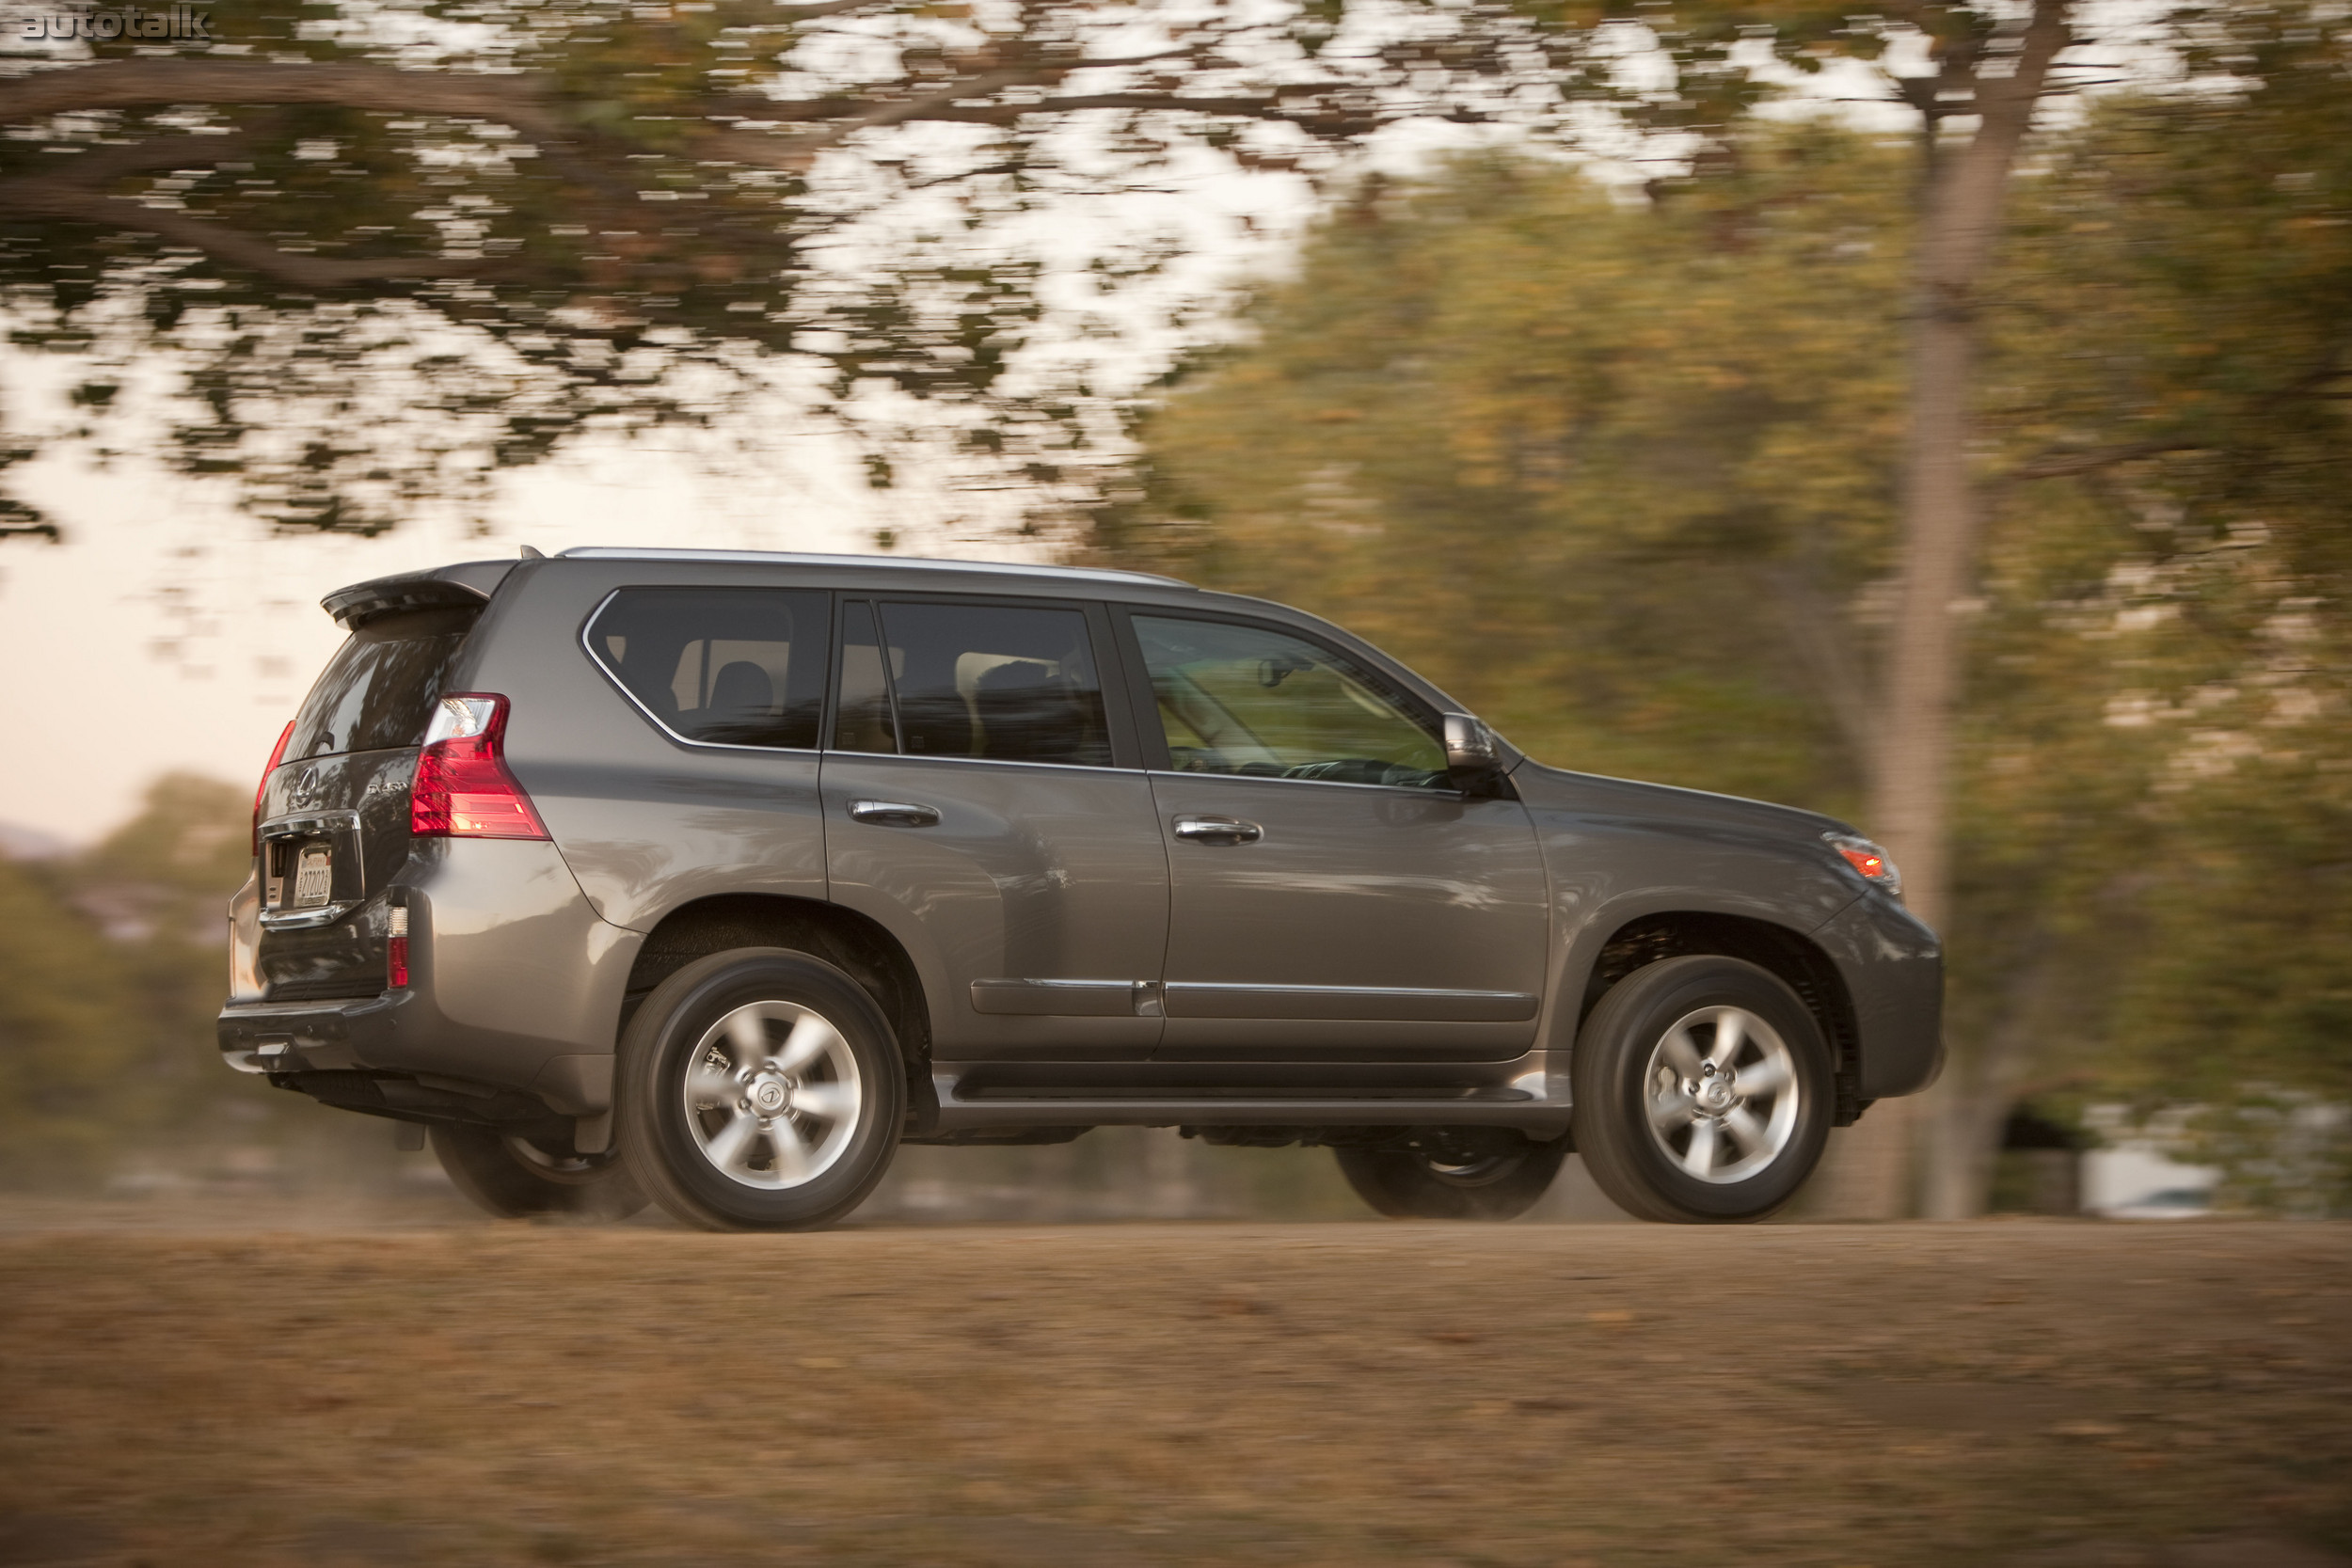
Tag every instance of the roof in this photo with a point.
(917, 563)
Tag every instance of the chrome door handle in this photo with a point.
(893, 814)
(1218, 830)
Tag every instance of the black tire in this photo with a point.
(1405, 1184)
(696, 1163)
(1638, 1126)
(517, 1180)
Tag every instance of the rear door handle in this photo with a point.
(1218, 830)
(893, 814)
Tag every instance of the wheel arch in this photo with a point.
(860, 947)
(1640, 939)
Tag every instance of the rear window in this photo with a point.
(724, 666)
(378, 691)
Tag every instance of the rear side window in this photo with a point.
(378, 691)
(999, 682)
(726, 666)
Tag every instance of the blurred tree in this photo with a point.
(109, 980)
(1621, 475)
(2180, 317)
(68, 1050)
(1609, 470)
(397, 247)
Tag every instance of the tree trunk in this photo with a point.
(1967, 1112)
(1963, 196)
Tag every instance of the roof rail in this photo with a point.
(931, 563)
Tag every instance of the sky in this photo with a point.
(185, 635)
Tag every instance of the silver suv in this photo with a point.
(712, 877)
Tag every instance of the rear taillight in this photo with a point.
(396, 929)
(462, 788)
(276, 755)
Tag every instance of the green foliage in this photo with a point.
(394, 248)
(1594, 466)
(112, 972)
(1620, 475)
(66, 1041)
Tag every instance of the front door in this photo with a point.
(972, 806)
(1332, 896)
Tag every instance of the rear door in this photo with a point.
(978, 804)
(334, 822)
(1332, 895)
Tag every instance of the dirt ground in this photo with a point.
(2045, 1394)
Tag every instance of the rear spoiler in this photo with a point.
(466, 586)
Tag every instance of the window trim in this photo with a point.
(587, 645)
(1154, 737)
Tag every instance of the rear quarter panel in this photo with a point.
(645, 823)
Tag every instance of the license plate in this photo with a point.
(315, 877)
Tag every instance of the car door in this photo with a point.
(1332, 895)
(977, 806)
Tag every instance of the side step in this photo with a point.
(1545, 1118)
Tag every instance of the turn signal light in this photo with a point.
(462, 788)
(1867, 859)
(276, 755)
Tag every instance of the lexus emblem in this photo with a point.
(306, 790)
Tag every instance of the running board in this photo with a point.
(1547, 1118)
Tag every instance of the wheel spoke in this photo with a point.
(791, 1153)
(833, 1101)
(1748, 1131)
(1768, 1076)
(1680, 1054)
(1699, 1159)
(747, 1031)
(811, 1038)
(727, 1149)
(1730, 1030)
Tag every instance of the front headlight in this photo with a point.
(1867, 859)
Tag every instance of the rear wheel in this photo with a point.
(515, 1178)
(1489, 1180)
(760, 1089)
(1702, 1092)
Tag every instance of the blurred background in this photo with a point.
(1630, 372)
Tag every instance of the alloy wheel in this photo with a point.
(772, 1093)
(1722, 1094)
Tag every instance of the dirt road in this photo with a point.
(2031, 1393)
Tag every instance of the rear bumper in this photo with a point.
(514, 984)
(1893, 966)
(401, 1037)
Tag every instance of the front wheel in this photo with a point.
(514, 1178)
(1702, 1092)
(1485, 1181)
(759, 1090)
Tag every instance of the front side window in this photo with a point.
(725, 666)
(1253, 701)
(998, 682)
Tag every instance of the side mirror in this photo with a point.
(1470, 746)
